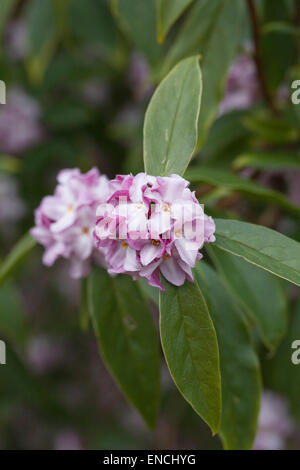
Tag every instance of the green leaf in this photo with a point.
(170, 128)
(280, 27)
(127, 340)
(151, 293)
(42, 36)
(277, 50)
(191, 350)
(168, 11)
(206, 32)
(224, 179)
(239, 365)
(226, 138)
(251, 286)
(271, 130)
(138, 21)
(16, 256)
(261, 246)
(267, 160)
(92, 21)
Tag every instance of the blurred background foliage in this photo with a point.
(79, 76)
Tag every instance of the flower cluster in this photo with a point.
(65, 221)
(139, 225)
(152, 225)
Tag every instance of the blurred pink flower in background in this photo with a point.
(20, 126)
(45, 354)
(242, 88)
(16, 40)
(274, 425)
(139, 76)
(95, 92)
(67, 439)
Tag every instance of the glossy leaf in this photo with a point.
(170, 127)
(127, 339)
(168, 11)
(191, 350)
(251, 286)
(16, 256)
(239, 364)
(138, 21)
(225, 179)
(206, 32)
(261, 246)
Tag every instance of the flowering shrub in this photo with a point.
(193, 232)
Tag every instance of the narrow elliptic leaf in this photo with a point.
(127, 339)
(170, 128)
(232, 182)
(168, 11)
(262, 246)
(251, 286)
(191, 350)
(16, 256)
(138, 21)
(240, 374)
(206, 32)
(267, 160)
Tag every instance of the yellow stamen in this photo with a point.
(124, 245)
(155, 242)
(85, 231)
(166, 257)
(70, 209)
(178, 233)
(166, 208)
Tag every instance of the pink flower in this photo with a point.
(20, 126)
(65, 221)
(152, 225)
(242, 88)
